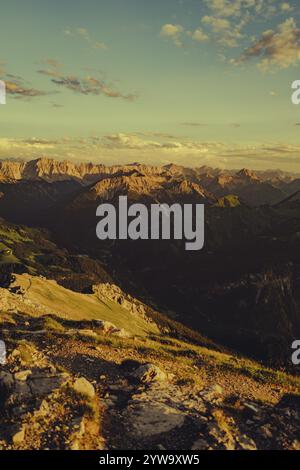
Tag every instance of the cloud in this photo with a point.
(202, 124)
(88, 85)
(198, 35)
(275, 49)
(129, 141)
(122, 148)
(18, 88)
(239, 8)
(85, 35)
(193, 124)
(134, 142)
(286, 7)
(160, 135)
(217, 24)
(225, 22)
(54, 63)
(38, 143)
(173, 32)
(224, 32)
(53, 68)
(226, 8)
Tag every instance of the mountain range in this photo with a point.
(254, 188)
(97, 324)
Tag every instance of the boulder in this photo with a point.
(148, 419)
(84, 387)
(22, 375)
(42, 385)
(6, 385)
(290, 400)
(19, 437)
(109, 328)
(2, 353)
(213, 393)
(200, 444)
(148, 373)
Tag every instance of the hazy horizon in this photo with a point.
(190, 82)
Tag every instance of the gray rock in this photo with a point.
(6, 385)
(22, 375)
(246, 443)
(200, 444)
(2, 353)
(19, 437)
(148, 373)
(20, 393)
(84, 387)
(44, 385)
(213, 393)
(152, 419)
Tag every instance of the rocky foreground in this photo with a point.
(81, 385)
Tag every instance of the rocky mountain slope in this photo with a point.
(255, 188)
(229, 286)
(81, 383)
(92, 328)
(226, 291)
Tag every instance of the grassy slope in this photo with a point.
(75, 306)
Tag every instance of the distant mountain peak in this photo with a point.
(247, 174)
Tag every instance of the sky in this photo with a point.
(193, 82)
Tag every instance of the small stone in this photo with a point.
(296, 445)
(266, 431)
(15, 353)
(123, 333)
(19, 437)
(23, 375)
(107, 327)
(6, 386)
(290, 400)
(246, 443)
(21, 392)
(88, 333)
(84, 387)
(44, 408)
(149, 373)
(75, 445)
(251, 407)
(200, 444)
(213, 393)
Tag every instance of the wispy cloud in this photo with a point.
(88, 85)
(124, 148)
(173, 32)
(86, 36)
(194, 124)
(227, 23)
(198, 35)
(280, 48)
(286, 7)
(18, 88)
(91, 86)
(53, 68)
